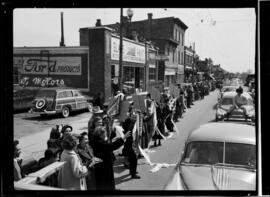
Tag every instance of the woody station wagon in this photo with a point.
(59, 100)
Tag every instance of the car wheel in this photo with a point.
(65, 111)
(90, 107)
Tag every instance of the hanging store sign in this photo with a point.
(131, 52)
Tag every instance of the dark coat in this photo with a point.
(128, 125)
(104, 171)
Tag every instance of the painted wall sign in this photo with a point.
(131, 52)
(52, 65)
(57, 70)
(42, 82)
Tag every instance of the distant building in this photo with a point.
(190, 64)
(168, 34)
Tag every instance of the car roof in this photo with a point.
(233, 93)
(224, 132)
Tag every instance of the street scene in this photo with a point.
(159, 100)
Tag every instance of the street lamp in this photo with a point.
(129, 14)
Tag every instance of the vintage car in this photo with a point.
(219, 156)
(60, 100)
(226, 103)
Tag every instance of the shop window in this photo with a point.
(152, 74)
(133, 78)
(173, 55)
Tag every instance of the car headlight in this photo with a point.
(221, 112)
(251, 113)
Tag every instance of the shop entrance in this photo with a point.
(133, 78)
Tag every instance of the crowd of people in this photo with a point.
(89, 156)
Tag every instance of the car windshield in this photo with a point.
(204, 153)
(46, 93)
(240, 154)
(227, 101)
(201, 152)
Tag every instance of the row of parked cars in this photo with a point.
(220, 155)
(48, 101)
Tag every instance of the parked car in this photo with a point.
(219, 156)
(226, 103)
(60, 100)
(22, 98)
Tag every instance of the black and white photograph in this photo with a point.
(144, 99)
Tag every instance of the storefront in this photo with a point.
(105, 71)
(169, 76)
(180, 74)
(134, 65)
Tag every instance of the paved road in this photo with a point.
(201, 112)
(33, 145)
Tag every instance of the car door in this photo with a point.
(81, 102)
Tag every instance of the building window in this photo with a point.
(133, 77)
(152, 74)
(173, 55)
(183, 39)
(182, 58)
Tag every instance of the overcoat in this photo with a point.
(72, 174)
(104, 171)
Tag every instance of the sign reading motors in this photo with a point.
(53, 65)
(54, 70)
(131, 52)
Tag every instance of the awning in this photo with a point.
(169, 71)
(188, 68)
(152, 66)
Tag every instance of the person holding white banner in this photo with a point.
(130, 150)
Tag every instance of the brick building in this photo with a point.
(139, 62)
(168, 34)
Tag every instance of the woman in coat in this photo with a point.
(72, 174)
(86, 154)
(103, 149)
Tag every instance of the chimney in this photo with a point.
(62, 42)
(150, 16)
(98, 23)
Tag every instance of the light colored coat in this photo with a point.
(72, 175)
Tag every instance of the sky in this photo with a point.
(227, 36)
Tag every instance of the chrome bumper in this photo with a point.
(42, 112)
